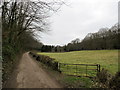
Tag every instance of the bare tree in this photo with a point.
(18, 17)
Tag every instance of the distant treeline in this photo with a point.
(105, 38)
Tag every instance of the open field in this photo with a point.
(108, 59)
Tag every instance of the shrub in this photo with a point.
(103, 76)
(34, 56)
(38, 58)
(46, 60)
(55, 65)
(114, 82)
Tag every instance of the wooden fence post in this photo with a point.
(59, 67)
(99, 68)
(76, 69)
(67, 68)
(86, 70)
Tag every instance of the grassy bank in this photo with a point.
(9, 66)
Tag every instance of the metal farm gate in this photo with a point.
(88, 70)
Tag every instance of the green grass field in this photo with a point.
(108, 59)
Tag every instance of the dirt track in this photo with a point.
(30, 75)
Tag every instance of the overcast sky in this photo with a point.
(80, 18)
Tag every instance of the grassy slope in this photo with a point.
(106, 58)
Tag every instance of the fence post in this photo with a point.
(86, 70)
(76, 69)
(59, 67)
(99, 68)
(67, 68)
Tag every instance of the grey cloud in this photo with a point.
(80, 18)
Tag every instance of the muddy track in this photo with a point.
(30, 75)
